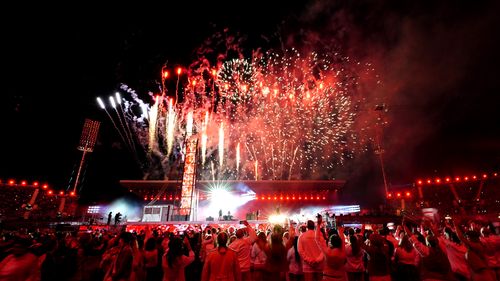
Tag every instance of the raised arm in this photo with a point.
(320, 239)
(461, 236)
(340, 230)
(190, 258)
(252, 235)
(421, 249)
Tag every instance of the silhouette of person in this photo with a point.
(109, 218)
(118, 218)
(220, 214)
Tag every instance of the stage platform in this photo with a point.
(222, 222)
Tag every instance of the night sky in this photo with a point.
(438, 62)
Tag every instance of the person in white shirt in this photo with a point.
(243, 246)
(313, 259)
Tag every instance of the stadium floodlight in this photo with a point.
(87, 143)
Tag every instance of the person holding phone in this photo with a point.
(174, 261)
(243, 246)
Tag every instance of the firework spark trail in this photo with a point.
(121, 114)
(170, 127)
(153, 116)
(291, 164)
(204, 139)
(179, 70)
(300, 107)
(256, 169)
(112, 120)
(221, 144)
(238, 157)
(189, 124)
(113, 104)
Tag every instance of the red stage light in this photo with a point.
(176, 198)
(408, 194)
(11, 182)
(179, 70)
(485, 176)
(447, 179)
(287, 198)
(268, 197)
(466, 178)
(389, 195)
(35, 183)
(281, 197)
(429, 181)
(300, 198)
(164, 198)
(72, 193)
(262, 197)
(165, 74)
(50, 192)
(23, 183)
(398, 194)
(214, 72)
(45, 186)
(438, 180)
(324, 197)
(419, 182)
(145, 198)
(317, 197)
(495, 174)
(151, 198)
(293, 198)
(61, 193)
(457, 179)
(474, 177)
(305, 198)
(275, 198)
(170, 198)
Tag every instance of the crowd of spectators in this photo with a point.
(459, 249)
(16, 203)
(475, 197)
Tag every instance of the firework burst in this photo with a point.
(271, 116)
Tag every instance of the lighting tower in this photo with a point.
(87, 142)
(86, 145)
